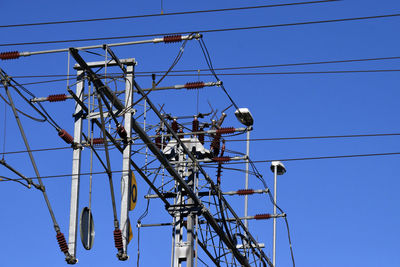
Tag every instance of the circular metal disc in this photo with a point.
(87, 228)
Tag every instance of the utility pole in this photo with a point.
(277, 168)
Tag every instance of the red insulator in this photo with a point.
(157, 140)
(62, 243)
(221, 159)
(243, 192)
(97, 141)
(194, 85)
(66, 136)
(172, 38)
(57, 98)
(264, 216)
(118, 239)
(223, 148)
(201, 136)
(174, 126)
(195, 125)
(10, 55)
(181, 132)
(226, 130)
(122, 132)
(215, 144)
(219, 172)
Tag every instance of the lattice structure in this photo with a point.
(169, 156)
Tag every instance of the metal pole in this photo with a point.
(246, 198)
(274, 230)
(191, 220)
(76, 167)
(126, 169)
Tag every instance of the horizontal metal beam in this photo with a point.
(176, 87)
(154, 40)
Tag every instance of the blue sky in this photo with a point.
(341, 211)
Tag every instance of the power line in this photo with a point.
(316, 158)
(165, 14)
(60, 175)
(316, 137)
(35, 150)
(284, 73)
(238, 162)
(238, 140)
(237, 67)
(235, 74)
(206, 30)
(286, 64)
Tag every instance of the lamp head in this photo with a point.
(244, 116)
(280, 167)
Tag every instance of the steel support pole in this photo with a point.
(76, 168)
(274, 223)
(126, 154)
(191, 220)
(246, 197)
(179, 200)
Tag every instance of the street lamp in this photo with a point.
(244, 116)
(277, 168)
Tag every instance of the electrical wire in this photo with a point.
(67, 175)
(241, 74)
(271, 198)
(143, 74)
(315, 158)
(46, 116)
(35, 150)
(13, 180)
(176, 60)
(20, 111)
(240, 67)
(210, 66)
(316, 137)
(207, 30)
(240, 162)
(5, 129)
(164, 14)
(238, 140)
(143, 215)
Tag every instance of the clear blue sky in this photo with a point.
(342, 212)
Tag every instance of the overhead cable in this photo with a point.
(239, 67)
(238, 162)
(316, 158)
(238, 74)
(207, 30)
(164, 14)
(235, 140)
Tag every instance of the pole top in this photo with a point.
(280, 167)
